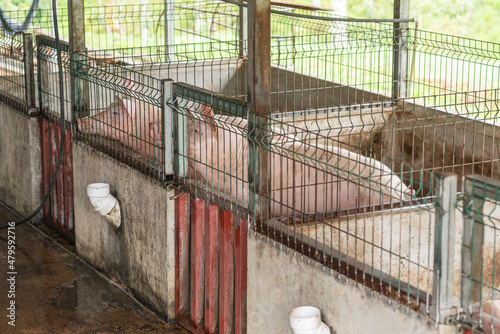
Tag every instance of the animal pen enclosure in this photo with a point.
(352, 168)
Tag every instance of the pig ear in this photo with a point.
(209, 115)
(154, 131)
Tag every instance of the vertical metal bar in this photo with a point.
(197, 264)
(168, 131)
(472, 249)
(258, 91)
(212, 269)
(43, 77)
(181, 161)
(169, 27)
(29, 70)
(240, 277)
(400, 49)
(76, 26)
(45, 133)
(445, 187)
(226, 273)
(182, 227)
(243, 31)
(68, 184)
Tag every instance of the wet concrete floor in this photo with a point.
(55, 292)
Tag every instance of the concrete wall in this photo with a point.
(279, 281)
(139, 254)
(20, 161)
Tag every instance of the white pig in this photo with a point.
(338, 179)
(129, 122)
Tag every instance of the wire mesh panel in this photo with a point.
(480, 285)
(121, 114)
(17, 84)
(211, 162)
(49, 82)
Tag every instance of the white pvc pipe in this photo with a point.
(307, 320)
(104, 203)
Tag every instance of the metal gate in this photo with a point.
(58, 211)
(211, 267)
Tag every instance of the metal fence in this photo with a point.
(351, 170)
(17, 82)
(479, 279)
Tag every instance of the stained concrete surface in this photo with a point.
(55, 292)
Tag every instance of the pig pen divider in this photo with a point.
(479, 279)
(17, 71)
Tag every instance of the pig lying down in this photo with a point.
(130, 122)
(305, 179)
(337, 180)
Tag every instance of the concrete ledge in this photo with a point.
(20, 162)
(279, 281)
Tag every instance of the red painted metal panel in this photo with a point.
(182, 226)
(226, 273)
(53, 160)
(211, 269)
(60, 190)
(68, 184)
(58, 211)
(45, 165)
(240, 277)
(197, 259)
(211, 264)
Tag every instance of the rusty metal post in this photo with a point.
(400, 50)
(29, 72)
(259, 73)
(76, 25)
(445, 187)
(169, 28)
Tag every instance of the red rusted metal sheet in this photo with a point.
(59, 208)
(197, 260)
(58, 211)
(54, 212)
(68, 184)
(226, 273)
(240, 277)
(182, 225)
(211, 264)
(45, 166)
(211, 272)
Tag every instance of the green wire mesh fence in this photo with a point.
(351, 169)
(479, 279)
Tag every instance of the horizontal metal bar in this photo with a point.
(323, 18)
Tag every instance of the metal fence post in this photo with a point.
(76, 26)
(400, 50)
(29, 71)
(169, 28)
(43, 76)
(243, 30)
(259, 72)
(168, 132)
(445, 187)
(473, 240)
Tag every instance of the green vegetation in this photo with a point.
(475, 19)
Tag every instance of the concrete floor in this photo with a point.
(55, 292)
